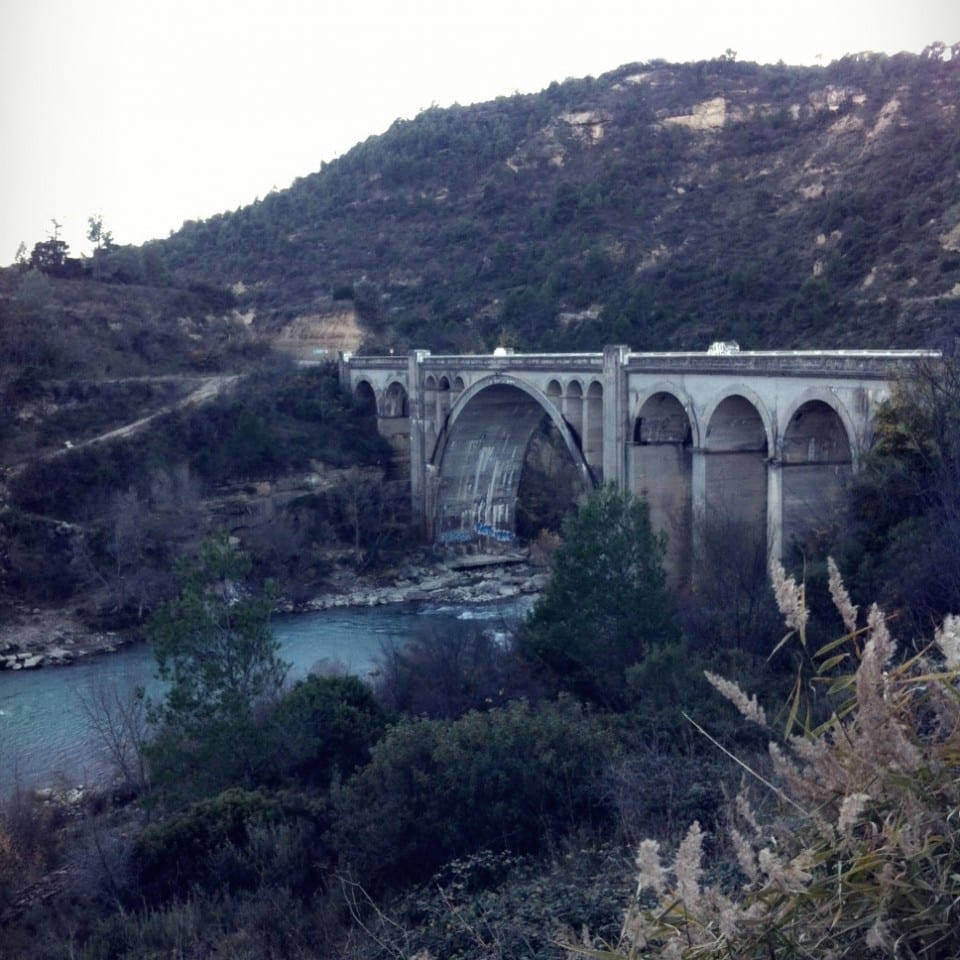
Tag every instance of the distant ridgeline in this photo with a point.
(666, 206)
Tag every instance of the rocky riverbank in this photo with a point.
(474, 579)
(42, 638)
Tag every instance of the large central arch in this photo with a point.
(479, 457)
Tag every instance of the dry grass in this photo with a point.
(860, 856)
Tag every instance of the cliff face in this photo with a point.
(321, 335)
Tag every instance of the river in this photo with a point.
(46, 738)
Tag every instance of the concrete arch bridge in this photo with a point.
(761, 443)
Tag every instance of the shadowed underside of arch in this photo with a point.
(735, 522)
(480, 459)
(660, 472)
(817, 464)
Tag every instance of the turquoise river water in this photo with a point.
(46, 738)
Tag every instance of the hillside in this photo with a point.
(663, 206)
(659, 205)
(491, 797)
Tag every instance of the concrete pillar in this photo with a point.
(418, 445)
(698, 509)
(343, 370)
(572, 406)
(615, 414)
(774, 510)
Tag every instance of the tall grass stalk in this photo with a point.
(860, 854)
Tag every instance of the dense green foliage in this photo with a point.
(902, 543)
(215, 650)
(607, 602)
(600, 210)
(324, 729)
(510, 779)
(227, 843)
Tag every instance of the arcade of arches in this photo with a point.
(758, 446)
(478, 455)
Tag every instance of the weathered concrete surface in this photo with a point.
(761, 440)
(479, 460)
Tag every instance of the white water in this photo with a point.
(45, 736)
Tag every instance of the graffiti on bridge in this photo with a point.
(479, 530)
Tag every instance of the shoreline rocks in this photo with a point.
(476, 584)
(50, 638)
(55, 638)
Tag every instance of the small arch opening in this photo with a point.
(365, 399)
(662, 419)
(395, 403)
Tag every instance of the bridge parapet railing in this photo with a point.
(865, 364)
(584, 362)
(398, 364)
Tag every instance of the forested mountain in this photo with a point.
(659, 205)
(662, 206)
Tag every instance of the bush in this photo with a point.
(500, 905)
(238, 840)
(861, 857)
(506, 780)
(29, 842)
(220, 661)
(607, 604)
(325, 728)
(443, 677)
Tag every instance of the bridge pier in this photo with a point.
(615, 415)
(774, 510)
(698, 499)
(419, 475)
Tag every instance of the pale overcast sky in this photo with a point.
(153, 113)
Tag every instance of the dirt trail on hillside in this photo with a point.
(210, 388)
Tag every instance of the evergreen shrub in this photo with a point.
(508, 780)
(237, 840)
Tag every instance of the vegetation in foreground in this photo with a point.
(853, 851)
(294, 819)
(510, 832)
(504, 809)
